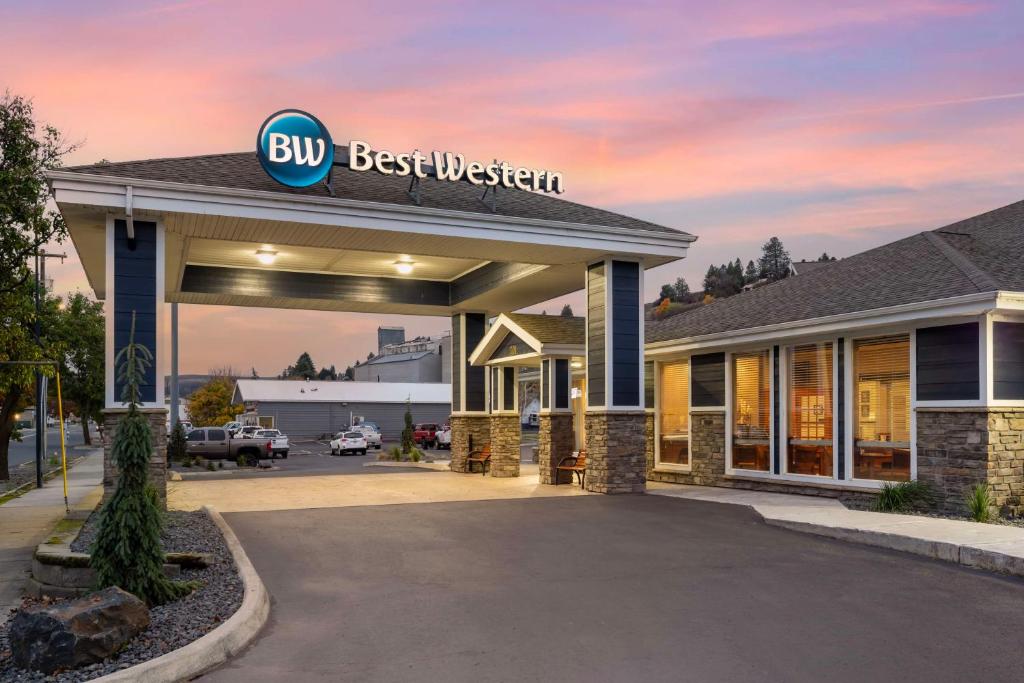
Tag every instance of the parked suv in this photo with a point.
(348, 442)
(214, 443)
(373, 438)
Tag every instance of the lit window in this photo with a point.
(809, 447)
(674, 413)
(751, 411)
(882, 432)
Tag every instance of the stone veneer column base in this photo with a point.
(616, 447)
(505, 445)
(960, 447)
(157, 459)
(469, 433)
(555, 440)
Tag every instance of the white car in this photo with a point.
(373, 439)
(278, 441)
(348, 442)
(443, 436)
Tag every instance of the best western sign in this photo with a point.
(296, 150)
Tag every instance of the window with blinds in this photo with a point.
(674, 412)
(751, 411)
(809, 444)
(881, 408)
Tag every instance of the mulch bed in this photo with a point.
(173, 625)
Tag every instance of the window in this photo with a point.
(881, 448)
(216, 435)
(809, 443)
(196, 435)
(674, 413)
(751, 411)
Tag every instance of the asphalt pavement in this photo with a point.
(25, 450)
(608, 588)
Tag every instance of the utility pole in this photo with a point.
(41, 390)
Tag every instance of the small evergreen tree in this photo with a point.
(751, 274)
(567, 311)
(407, 432)
(127, 552)
(176, 444)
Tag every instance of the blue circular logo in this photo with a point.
(295, 148)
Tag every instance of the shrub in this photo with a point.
(407, 431)
(210, 466)
(176, 445)
(396, 454)
(979, 502)
(127, 551)
(417, 455)
(902, 496)
(187, 462)
(220, 464)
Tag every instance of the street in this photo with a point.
(24, 451)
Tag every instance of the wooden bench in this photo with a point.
(482, 456)
(573, 463)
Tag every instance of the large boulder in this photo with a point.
(78, 632)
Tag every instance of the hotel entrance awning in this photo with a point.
(340, 252)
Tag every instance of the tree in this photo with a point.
(774, 262)
(176, 444)
(711, 280)
(82, 337)
(27, 152)
(751, 274)
(303, 368)
(407, 431)
(567, 311)
(667, 292)
(127, 551)
(350, 373)
(825, 257)
(327, 374)
(211, 404)
(681, 290)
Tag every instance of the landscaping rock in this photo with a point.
(76, 633)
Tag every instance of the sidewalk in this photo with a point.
(25, 522)
(993, 547)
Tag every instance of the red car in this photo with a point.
(425, 435)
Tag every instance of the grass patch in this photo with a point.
(902, 496)
(979, 502)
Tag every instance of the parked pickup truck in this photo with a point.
(213, 443)
(425, 435)
(278, 442)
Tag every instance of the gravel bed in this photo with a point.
(173, 625)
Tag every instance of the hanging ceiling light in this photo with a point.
(266, 256)
(404, 266)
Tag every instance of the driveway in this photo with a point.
(603, 588)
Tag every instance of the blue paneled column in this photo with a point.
(471, 426)
(135, 284)
(615, 418)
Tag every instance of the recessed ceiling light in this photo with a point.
(266, 256)
(404, 267)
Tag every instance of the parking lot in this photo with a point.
(307, 457)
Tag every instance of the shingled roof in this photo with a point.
(242, 170)
(552, 329)
(980, 254)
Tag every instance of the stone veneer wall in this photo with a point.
(463, 427)
(555, 440)
(960, 447)
(157, 460)
(505, 445)
(616, 448)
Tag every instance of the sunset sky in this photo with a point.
(836, 126)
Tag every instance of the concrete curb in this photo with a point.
(438, 465)
(220, 644)
(975, 556)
